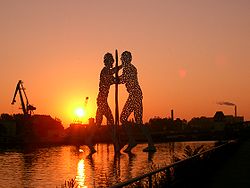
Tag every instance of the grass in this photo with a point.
(70, 183)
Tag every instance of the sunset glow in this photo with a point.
(188, 54)
(95, 93)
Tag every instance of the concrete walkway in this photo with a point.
(233, 172)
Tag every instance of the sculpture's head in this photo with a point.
(126, 57)
(108, 60)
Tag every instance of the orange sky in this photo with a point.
(189, 54)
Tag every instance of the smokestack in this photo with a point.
(229, 104)
(235, 111)
(172, 115)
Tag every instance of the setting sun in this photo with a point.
(80, 112)
(77, 111)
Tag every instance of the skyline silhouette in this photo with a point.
(190, 55)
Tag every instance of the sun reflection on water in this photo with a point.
(81, 175)
(102, 169)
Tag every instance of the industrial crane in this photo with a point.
(27, 108)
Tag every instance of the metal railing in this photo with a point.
(168, 170)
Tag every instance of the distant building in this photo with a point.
(47, 129)
(91, 121)
(218, 122)
(7, 131)
(221, 120)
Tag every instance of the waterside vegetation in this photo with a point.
(192, 171)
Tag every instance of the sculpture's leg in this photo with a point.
(89, 140)
(145, 131)
(138, 119)
(131, 140)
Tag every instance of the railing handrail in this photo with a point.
(135, 179)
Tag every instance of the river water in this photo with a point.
(51, 166)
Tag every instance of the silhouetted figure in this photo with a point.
(103, 109)
(106, 80)
(133, 103)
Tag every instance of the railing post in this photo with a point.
(150, 181)
(168, 177)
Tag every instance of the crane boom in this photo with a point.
(27, 109)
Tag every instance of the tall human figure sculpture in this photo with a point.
(103, 109)
(133, 104)
(106, 80)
